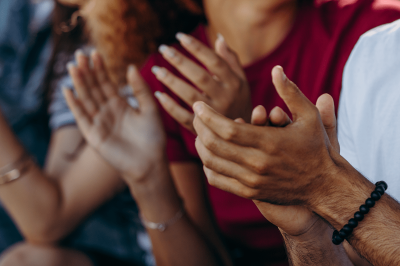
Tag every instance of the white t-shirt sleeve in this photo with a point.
(345, 115)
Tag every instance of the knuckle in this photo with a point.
(218, 63)
(209, 141)
(248, 193)
(236, 83)
(260, 166)
(203, 78)
(230, 133)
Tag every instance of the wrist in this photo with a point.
(317, 230)
(345, 192)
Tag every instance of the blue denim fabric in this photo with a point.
(24, 54)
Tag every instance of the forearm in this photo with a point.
(30, 199)
(376, 237)
(315, 247)
(181, 243)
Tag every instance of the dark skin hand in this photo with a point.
(296, 165)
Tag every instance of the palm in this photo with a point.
(129, 139)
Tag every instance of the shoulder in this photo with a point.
(376, 53)
(370, 78)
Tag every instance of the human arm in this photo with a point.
(48, 204)
(299, 166)
(133, 140)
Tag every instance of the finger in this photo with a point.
(140, 89)
(82, 117)
(213, 62)
(223, 50)
(226, 129)
(227, 184)
(326, 108)
(295, 100)
(108, 88)
(240, 121)
(225, 167)
(183, 90)
(82, 90)
(279, 118)
(89, 77)
(226, 149)
(177, 112)
(193, 72)
(259, 116)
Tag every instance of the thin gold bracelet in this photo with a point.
(15, 170)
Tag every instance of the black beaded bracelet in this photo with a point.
(345, 232)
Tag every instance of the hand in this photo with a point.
(286, 166)
(132, 140)
(224, 86)
(295, 221)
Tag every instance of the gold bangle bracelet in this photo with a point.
(14, 170)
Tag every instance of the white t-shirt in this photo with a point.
(369, 108)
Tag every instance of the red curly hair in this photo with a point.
(128, 31)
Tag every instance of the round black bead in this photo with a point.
(347, 229)
(370, 203)
(382, 183)
(336, 238)
(380, 190)
(343, 234)
(364, 209)
(375, 196)
(359, 216)
(353, 223)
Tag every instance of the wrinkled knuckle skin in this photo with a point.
(204, 78)
(209, 141)
(188, 122)
(217, 63)
(253, 182)
(230, 133)
(248, 193)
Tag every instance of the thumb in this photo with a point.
(295, 100)
(140, 89)
(326, 108)
(223, 50)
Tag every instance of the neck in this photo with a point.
(253, 29)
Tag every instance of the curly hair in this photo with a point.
(128, 31)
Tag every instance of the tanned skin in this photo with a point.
(297, 165)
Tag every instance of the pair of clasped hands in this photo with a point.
(274, 161)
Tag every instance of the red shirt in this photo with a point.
(313, 55)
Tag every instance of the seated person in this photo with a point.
(77, 210)
(326, 50)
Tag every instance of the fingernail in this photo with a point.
(79, 52)
(70, 65)
(132, 68)
(220, 37)
(159, 96)
(184, 38)
(165, 50)
(197, 107)
(284, 78)
(159, 71)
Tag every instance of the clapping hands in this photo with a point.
(132, 140)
